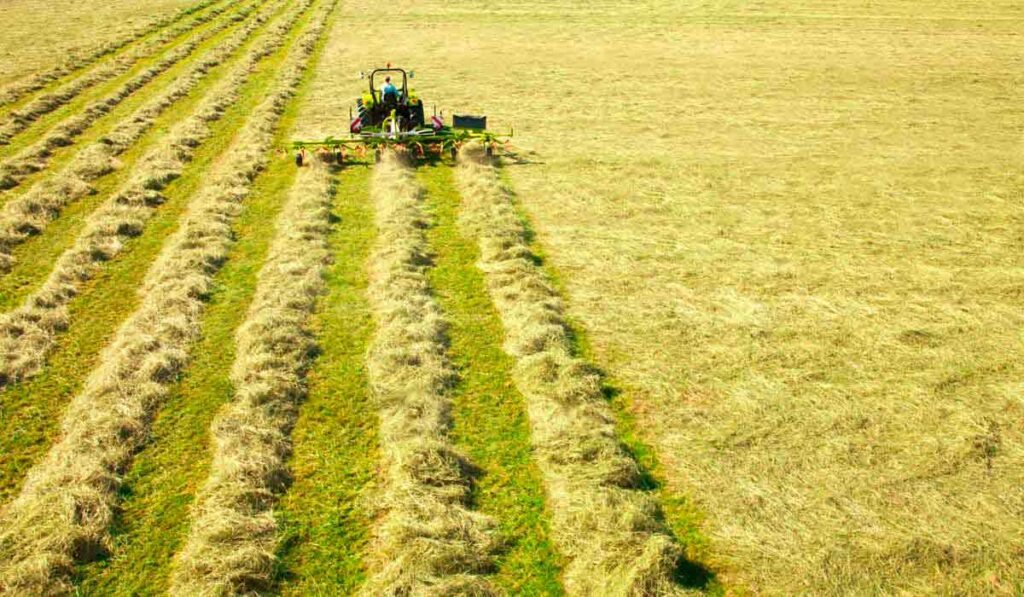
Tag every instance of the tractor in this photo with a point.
(393, 115)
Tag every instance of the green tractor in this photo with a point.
(390, 115)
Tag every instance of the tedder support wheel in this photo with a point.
(377, 155)
(489, 152)
(455, 152)
(338, 157)
(298, 159)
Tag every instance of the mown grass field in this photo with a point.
(739, 312)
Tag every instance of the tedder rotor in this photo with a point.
(392, 115)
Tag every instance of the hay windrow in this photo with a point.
(609, 529)
(232, 540)
(428, 541)
(35, 157)
(15, 91)
(19, 120)
(27, 333)
(65, 507)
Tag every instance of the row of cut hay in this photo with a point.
(36, 156)
(19, 120)
(607, 527)
(16, 91)
(428, 540)
(28, 333)
(232, 540)
(33, 211)
(64, 510)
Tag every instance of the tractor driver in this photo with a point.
(388, 91)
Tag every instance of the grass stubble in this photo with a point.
(28, 332)
(428, 540)
(609, 529)
(36, 156)
(17, 90)
(233, 537)
(17, 121)
(65, 508)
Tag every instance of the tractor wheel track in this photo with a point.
(64, 510)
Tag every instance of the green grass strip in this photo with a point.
(682, 515)
(489, 414)
(159, 489)
(34, 258)
(30, 411)
(324, 528)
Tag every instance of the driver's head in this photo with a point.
(387, 79)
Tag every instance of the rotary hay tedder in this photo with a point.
(392, 116)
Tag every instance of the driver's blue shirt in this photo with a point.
(389, 89)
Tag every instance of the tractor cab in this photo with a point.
(380, 112)
(396, 119)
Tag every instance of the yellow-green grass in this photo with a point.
(31, 410)
(36, 255)
(37, 128)
(324, 521)
(792, 235)
(488, 420)
(160, 487)
(41, 33)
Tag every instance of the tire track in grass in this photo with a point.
(233, 535)
(36, 156)
(609, 528)
(27, 333)
(31, 256)
(13, 93)
(152, 519)
(489, 415)
(65, 508)
(427, 539)
(325, 527)
(21, 119)
(30, 410)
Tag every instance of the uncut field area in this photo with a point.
(739, 310)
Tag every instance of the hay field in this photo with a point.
(40, 34)
(740, 312)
